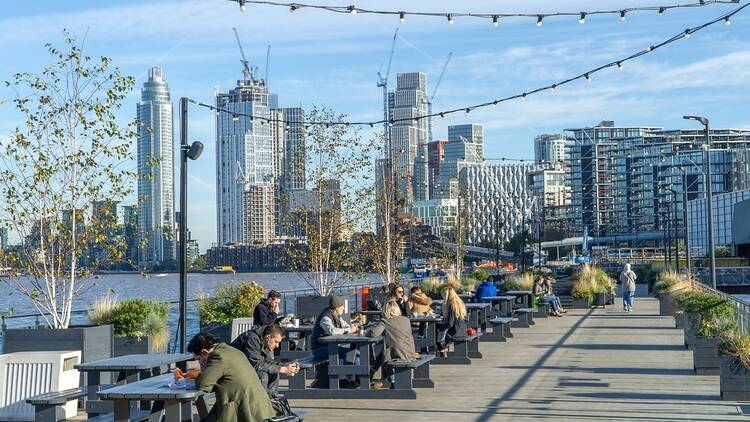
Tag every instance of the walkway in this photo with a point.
(599, 365)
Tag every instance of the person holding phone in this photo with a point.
(258, 345)
(267, 311)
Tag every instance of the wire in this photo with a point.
(468, 109)
(494, 17)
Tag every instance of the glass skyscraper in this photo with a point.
(156, 226)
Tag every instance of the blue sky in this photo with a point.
(332, 60)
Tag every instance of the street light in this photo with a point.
(191, 151)
(707, 149)
(674, 222)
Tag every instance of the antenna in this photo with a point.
(246, 72)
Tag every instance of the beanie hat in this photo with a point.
(335, 301)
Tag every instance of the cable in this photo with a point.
(494, 17)
(468, 109)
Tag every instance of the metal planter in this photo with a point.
(600, 299)
(679, 320)
(690, 328)
(136, 346)
(734, 380)
(580, 303)
(706, 358)
(667, 305)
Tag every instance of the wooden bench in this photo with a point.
(47, 404)
(463, 352)
(136, 415)
(542, 310)
(310, 367)
(500, 330)
(206, 402)
(525, 318)
(415, 374)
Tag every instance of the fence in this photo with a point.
(742, 308)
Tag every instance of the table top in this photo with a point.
(149, 389)
(350, 338)
(477, 305)
(499, 297)
(300, 329)
(375, 312)
(134, 362)
(425, 318)
(518, 292)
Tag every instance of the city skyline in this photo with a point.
(688, 77)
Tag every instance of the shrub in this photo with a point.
(468, 284)
(133, 318)
(230, 301)
(431, 287)
(101, 310)
(716, 315)
(590, 281)
(517, 281)
(737, 346)
(480, 275)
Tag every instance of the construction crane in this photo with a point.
(383, 83)
(431, 97)
(268, 63)
(246, 67)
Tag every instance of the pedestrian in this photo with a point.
(627, 278)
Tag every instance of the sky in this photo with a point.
(332, 60)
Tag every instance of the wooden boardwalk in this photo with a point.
(598, 365)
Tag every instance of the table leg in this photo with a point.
(93, 380)
(333, 359)
(173, 411)
(122, 410)
(365, 358)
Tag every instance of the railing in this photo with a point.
(742, 308)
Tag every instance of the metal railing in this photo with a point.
(742, 308)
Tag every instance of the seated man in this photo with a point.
(329, 323)
(258, 345)
(267, 311)
(224, 371)
(486, 289)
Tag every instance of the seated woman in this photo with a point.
(419, 302)
(224, 370)
(454, 326)
(396, 294)
(398, 340)
(543, 291)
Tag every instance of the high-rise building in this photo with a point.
(440, 214)
(155, 171)
(723, 206)
(408, 136)
(244, 158)
(550, 148)
(3, 238)
(294, 149)
(130, 233)
(259, 221)
(435, 159)
(465, 147)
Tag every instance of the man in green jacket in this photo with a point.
(224, 370)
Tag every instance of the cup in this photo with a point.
(361, 331)
(295, 321)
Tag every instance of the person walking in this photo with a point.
(627, 278)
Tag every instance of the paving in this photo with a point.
(591, 365)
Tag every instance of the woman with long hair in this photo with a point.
(454, 326)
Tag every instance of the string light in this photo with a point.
(619, 65)
(661, 11)
(242, 5)
(622, 15)
(495, 20)
(724, 17)
(727, 21)
(401, 16)
(293, 7)
(352, 10)
(582, 19)
(687, 33)
(539, 19)
(450, 19)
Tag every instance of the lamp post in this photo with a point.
(192, 151)
(685, 220)
(674, 222)
(709, 201)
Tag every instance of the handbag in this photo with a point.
(283, 410)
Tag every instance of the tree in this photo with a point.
(199, 263)
(337, 166)
(69, 154)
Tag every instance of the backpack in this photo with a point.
(283, 411)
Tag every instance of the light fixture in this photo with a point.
(553, 87)
(467, 111)
(582, 19)
(450, 18)
(242, 6)
(352, 10)
(402, 16)
(539, 19)
(293, 7)
(648, 49)
(619, 65)
(494, 104)
(622, 15)
(588, 77)
(727, 21)
(523, 96)
(442, 115)
(687, 33)
(495, 20)
(235, 117)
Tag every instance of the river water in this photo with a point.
(162, 287)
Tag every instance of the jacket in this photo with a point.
(251, 344)
(420, 303)
(328, 323)
(486, 289)
(398, 339)
(453, 328)
(263, 314)
(239, 394)
(627, 278)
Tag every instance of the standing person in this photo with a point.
(419, 302)
(397, 294)
(329, 323)
(267, 311)
(224, 371)
(398, 341)
(258, 345)
(627, 278)
(454, 326)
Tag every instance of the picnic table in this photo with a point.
(524, 298)
(130, 368)
(372, 315)
(176, 403)
(477, 313)
(425, 337)
(302, 335)
(502, 306)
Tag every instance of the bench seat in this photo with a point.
(414, 374)
(542, 310)
(136, 415)
(463, 352)
(500, 330)
(525, 317)
(45, 405)
(308, 369)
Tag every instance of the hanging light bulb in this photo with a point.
(450, 19)
(372, 125)
(242, 6)
(442, 115)
(588, 77)
(235, 117)
(494, 104)
(352, 10)
(539, 19)
(648, 49)
(687, 33)
(402, 16)
(293, 7)
(582, 19)
(661, 10)
(727, 21)
(523, 96)
(619, 65)
(495, 20)
(467, 111)
(553, 87)
(622, 15)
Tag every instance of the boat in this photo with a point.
(220, 269)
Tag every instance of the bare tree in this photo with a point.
(69, 155)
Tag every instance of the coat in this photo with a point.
(452, 328)
(239, 394)
(251, 344)
(627, 278)
(420, 303)
(487, 288)
(398, 340)
(263, 314)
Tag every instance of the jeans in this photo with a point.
(269, 381)
(553, 301)
(627, 299)
(322, 352)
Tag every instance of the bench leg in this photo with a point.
(474, 349)
(297, 382)
(422, 377)
(460, 349)
(45, 413)
(403, 378)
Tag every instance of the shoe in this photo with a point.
(630, 310)
(352, 384)
(379, 385)
(624, 308)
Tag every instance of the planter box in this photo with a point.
(136, 346)
(690, 328)
(706, 359)
(94, 341)
(580, 303)
(309, 307)
(610, 298)
(679, 320)
(222, 331)
(600, 299)
(667, 305)
(734, 380)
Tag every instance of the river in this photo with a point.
(162, 287)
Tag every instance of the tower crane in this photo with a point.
(268, 63)
(383, 83)
(431, 97)
(246, 72)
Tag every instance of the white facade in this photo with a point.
(156, 226)
(723, 215)
(259, 219)
(440, 214)
(550, 148)
(465, 147)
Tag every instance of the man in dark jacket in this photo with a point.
(267, 311)
(258, 345)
